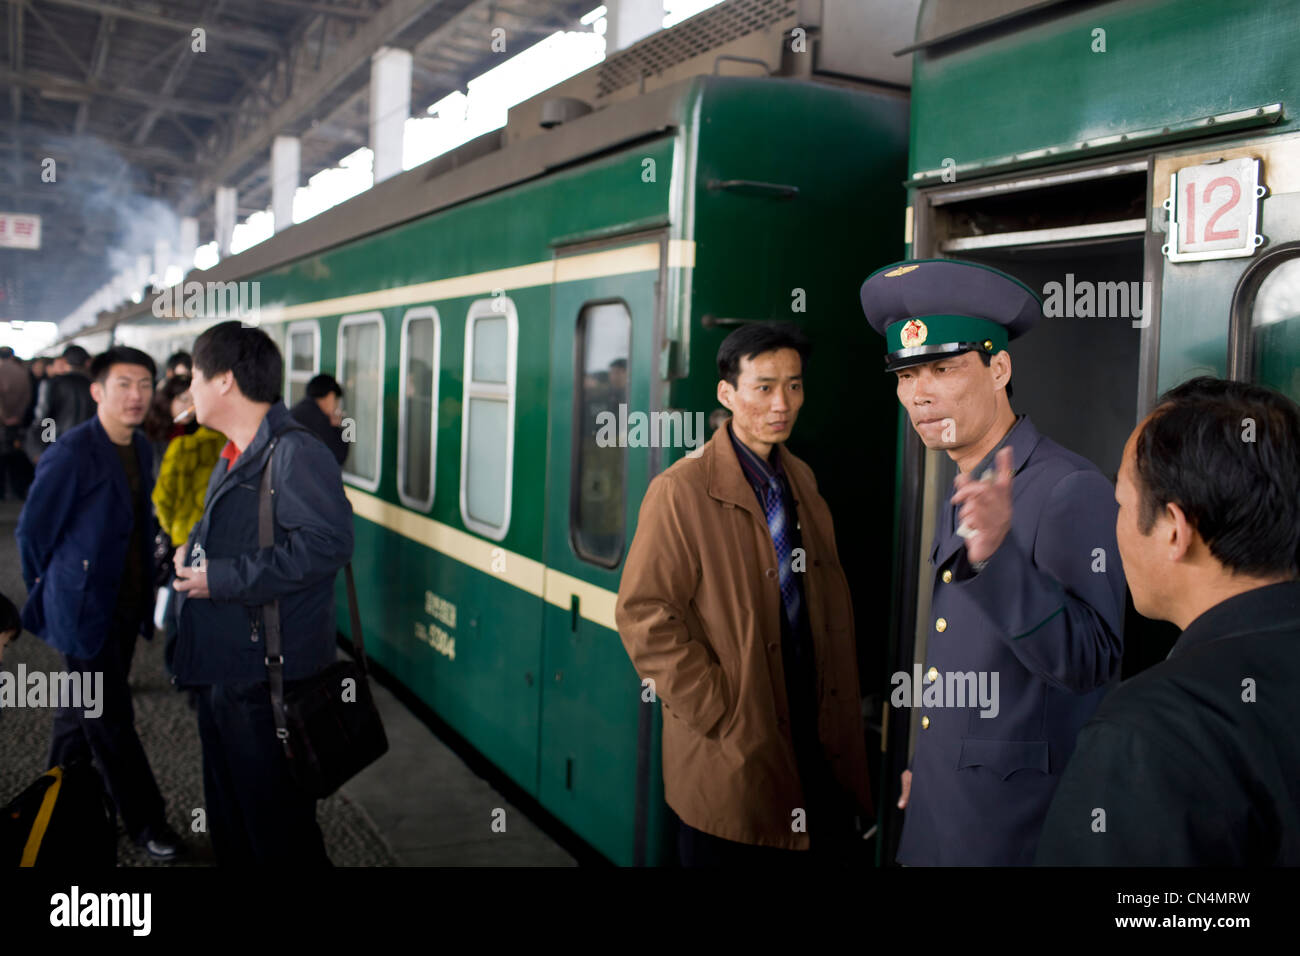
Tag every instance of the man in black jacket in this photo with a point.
(1195, 761)
(63, 402)
(322, 412)
(256, 813)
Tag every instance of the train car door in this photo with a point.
(1080, 238)
(597, 757)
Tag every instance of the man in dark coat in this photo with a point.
(256, 813)
(322, 412)
(1025, 624)
(85, 539)
(1195, 761)
(63, 401)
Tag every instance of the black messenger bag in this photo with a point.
(328, 724)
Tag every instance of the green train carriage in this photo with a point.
(473, 311)
(1138, 162)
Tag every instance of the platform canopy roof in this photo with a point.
(144, 117)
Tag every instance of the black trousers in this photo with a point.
(256, 813)
(110, 739)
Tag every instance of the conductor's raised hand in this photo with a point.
(985, 509)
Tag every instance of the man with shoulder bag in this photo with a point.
(242, 573)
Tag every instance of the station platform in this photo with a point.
(419, 805)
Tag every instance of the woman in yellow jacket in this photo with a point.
(183, 479)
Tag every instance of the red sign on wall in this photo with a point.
(19, 231)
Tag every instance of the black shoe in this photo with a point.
(161, 843)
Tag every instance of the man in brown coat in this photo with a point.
(733, 603)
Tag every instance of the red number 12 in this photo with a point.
(1210, 234)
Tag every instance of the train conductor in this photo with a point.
(1028, 586)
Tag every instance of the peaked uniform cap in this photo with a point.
(931, 308)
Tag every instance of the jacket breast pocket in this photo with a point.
(1004, 757)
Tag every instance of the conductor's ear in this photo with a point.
(1001, 365)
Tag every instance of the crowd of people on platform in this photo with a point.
(138, 519)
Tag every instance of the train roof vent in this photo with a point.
(560, 109)
(690, 38)
(943, 20)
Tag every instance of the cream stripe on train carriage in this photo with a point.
(629, 260)
(595, 603)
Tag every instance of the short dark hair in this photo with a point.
(179, 357)
(1228, 454)
(246, 351)
(755, 338)
(119, 355)
(988, 359)
(76, 356)
(6, 352)
(322, 385)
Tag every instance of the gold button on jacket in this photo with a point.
(941, 625)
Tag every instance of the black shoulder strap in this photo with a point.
(271, 611)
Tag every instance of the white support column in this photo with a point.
(630, 20)
(162, 260)
(143, 266)
(223, 211)
(120, 287)
(286, 153)
(390, 108)
(189, 243)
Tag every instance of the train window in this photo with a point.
(1275, 329)
(416, 429)
(361, 373)
(302, 359)
(488, 410)
(597, 494)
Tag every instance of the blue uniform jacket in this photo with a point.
(72, 539)
(221, 639)
(1044, 617)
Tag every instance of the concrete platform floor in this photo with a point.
(419, 805)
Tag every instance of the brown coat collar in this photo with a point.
(726, 480)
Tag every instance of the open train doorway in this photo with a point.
(1084, 375)
(1078, 374)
